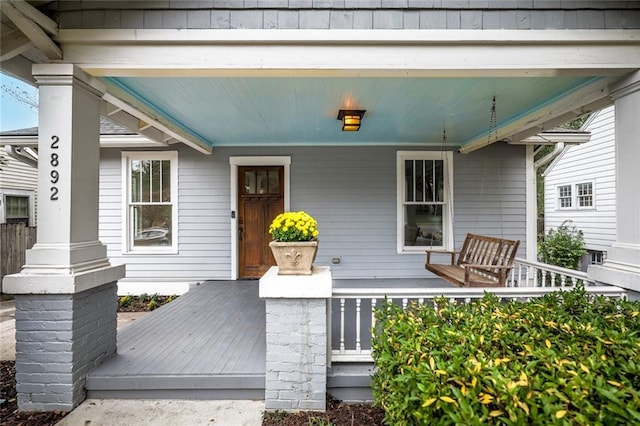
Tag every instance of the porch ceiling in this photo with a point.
(255, 111)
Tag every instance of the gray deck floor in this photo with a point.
(209, 343)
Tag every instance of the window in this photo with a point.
(584, 192)
(424, 200)
(564, 196)
(17, 206)
(150, 212)
(576, 196)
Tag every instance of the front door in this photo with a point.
(260, 199)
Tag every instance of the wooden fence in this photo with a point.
(15, 239)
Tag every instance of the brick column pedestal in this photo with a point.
(59, 338)
(296, 328)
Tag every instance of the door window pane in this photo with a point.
(249, 182)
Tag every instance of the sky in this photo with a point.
(18, 104)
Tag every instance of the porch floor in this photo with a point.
(207, 344)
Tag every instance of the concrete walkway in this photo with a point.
(97, 412)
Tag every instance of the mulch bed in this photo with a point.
(9, 414)
(338, 413)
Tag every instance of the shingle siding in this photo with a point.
(348, 14)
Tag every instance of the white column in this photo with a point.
(622, 267)
(67, 258)
(66, 299)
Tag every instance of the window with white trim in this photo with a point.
(150, 193)
(424, 200)
(17, 206)
(584, 194)
(576, 196)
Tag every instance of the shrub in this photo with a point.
(565, 358)
(563, 247)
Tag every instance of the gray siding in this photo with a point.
(16, 175)
(590, 162)
(351, 191)
(349, 14)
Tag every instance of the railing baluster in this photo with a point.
(405, 301)
(563, 280)
(373, 313)
(342, 303)
(358, 347)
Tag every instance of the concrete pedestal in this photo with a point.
(296, 333)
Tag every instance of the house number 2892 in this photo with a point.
(54, 162)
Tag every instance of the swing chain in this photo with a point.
(493, 129)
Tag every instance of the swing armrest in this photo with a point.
(450, 252)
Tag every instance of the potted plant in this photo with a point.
(295, 243)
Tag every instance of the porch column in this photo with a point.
(296, 328)
(622, 267)
(65, 294)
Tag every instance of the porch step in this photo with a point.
(350, 382)
(176, 387)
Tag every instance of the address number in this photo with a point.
(54, 162)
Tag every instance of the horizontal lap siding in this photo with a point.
(350, 191)
(204, 247)
(593, 161)
(490, 194)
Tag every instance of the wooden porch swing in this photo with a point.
(483, 261)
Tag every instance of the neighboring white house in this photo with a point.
(580, 186)
(18, 189)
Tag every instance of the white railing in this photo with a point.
(353, 340)
(536, 274)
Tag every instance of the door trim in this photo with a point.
(235, 162)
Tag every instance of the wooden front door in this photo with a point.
(260, 199)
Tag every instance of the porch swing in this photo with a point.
(482, 261)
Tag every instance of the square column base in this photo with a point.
(59, 338)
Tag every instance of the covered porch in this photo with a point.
(210, 343)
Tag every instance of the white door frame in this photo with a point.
(236, 162)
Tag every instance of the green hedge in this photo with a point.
(565, 358)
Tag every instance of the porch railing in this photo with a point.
(536, 274)
(353, 310)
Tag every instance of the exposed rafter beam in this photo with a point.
(561, 119)
(28, 20)
(46, 23)
(130, 122)
(142, 112)
(13, 43)
(595, 92)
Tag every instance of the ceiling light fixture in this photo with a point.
(351, 119)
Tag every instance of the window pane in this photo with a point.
(249, 182)
(263, 182)
(136, 187)
(420, 179)
(439, 184)
(408, 179)
(166, 182)
(151, 225)
(274, 182)
(423, 225)
(145, 177)
(16, 207)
